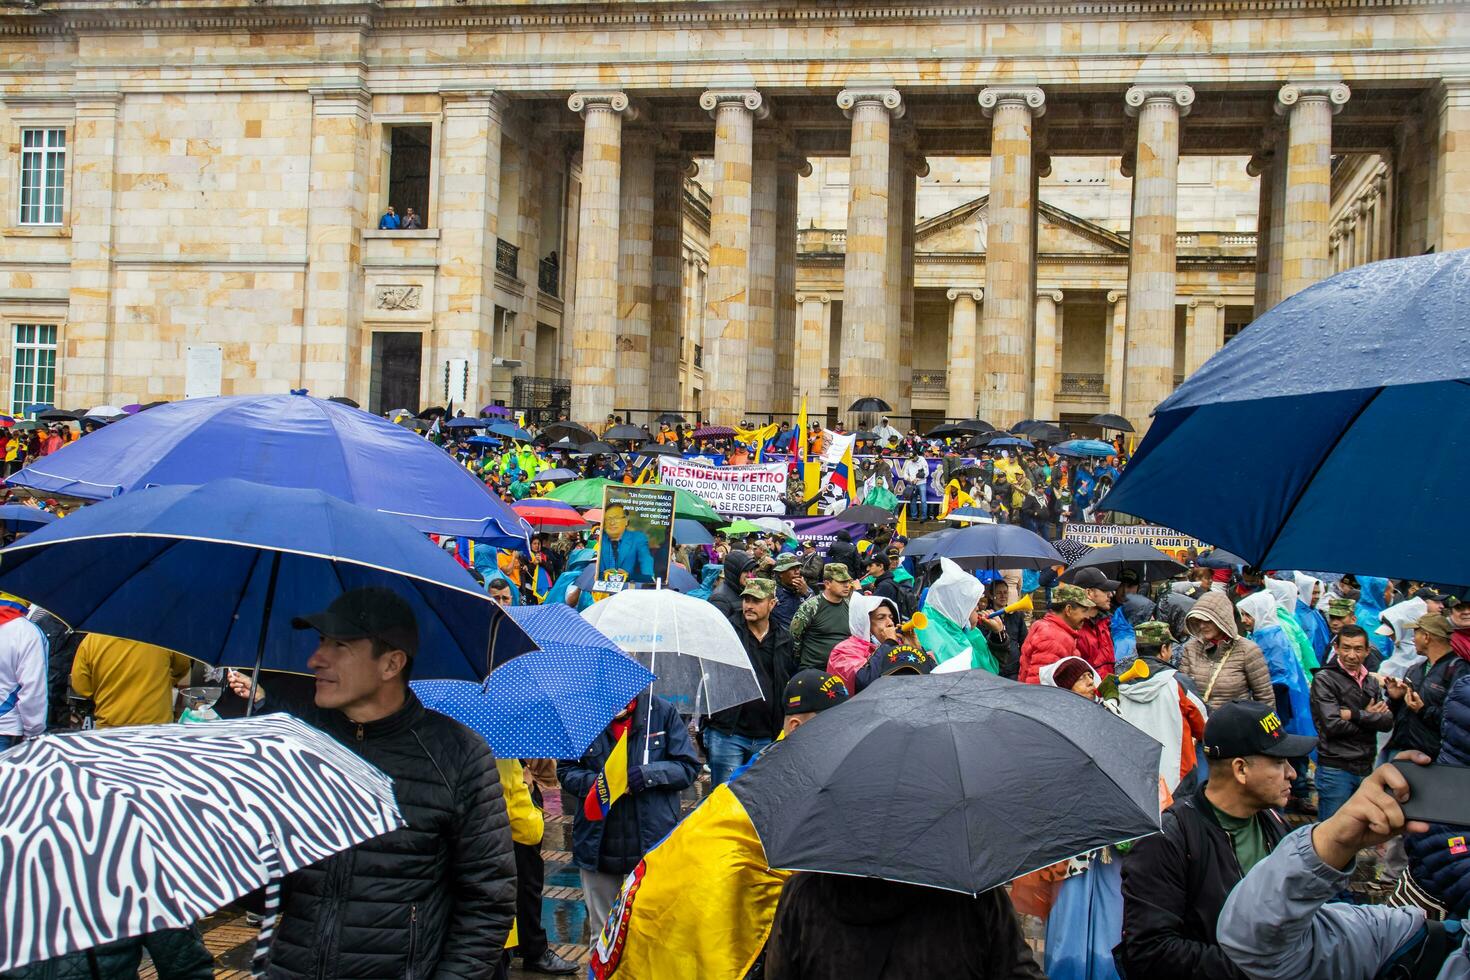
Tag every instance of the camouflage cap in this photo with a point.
(759, 588)
(1073, 595)
(837, 571)
(787, 562)
(1340, 606)
(1154, 633)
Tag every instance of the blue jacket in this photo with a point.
(1433, 860)
(637, 821)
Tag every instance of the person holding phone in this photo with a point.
(1418, 698)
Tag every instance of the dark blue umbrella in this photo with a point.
(1013, 441)
(218, 572)
(282, 441)
(19, 517)
(509, 430)
(992, 546)
(551, 703)
(1294, 445)
(465, 423)
(483, 441)
(691, 532)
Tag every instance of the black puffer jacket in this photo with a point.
(177, 954)
(726, 596)
(434, 899)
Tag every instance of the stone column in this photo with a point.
(760, 359)
(727, 291)
(1204, 332)
(1309, 108)
(913, 168)
(1115, 354)
(1368, 226)
(867, 329)
(1449, 190)
(84, 360)
(1260, 167)
(813, 348)
(1151, 255)
(1278, 223)
(635, 272)
(1350, 236)
(1007, 319)
(960, 375)
(595, 312)
(1044, 377)
(790, 166)
(670, 301)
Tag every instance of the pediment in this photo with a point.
(962, 230)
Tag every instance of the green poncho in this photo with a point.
(946, 640)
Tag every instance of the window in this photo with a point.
(410, 150)
(33, 371)
(42, 176)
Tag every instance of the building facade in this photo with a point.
(193, 192)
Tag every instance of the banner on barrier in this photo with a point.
(731, 490)
(1169, 541)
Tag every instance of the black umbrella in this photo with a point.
(670, 418)
(996, 546)
(564, 446)
(627, 433)
(566, 430)
(557, 475)
(58, 415)
(870, 404)
(1148, 562)
(864, 514)
(596, 448)
(982, 441)
(1024, 426)
(433, 412)
(1072, 550)
(989, 779)
(1220, 558)
(1109, 421)
(967, 471)
(657, 449)
(865, 436)
(344, 400)
(1047, 433)
(948, 430)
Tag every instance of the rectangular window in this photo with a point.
(33, 368)
(42, 176)
(411, 150)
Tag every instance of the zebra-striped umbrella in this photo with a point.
(116, 833)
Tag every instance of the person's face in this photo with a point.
(791, 576)
(1434, 605)
(1422, 642)
(880, 621)
(839, 590)
(1460, 615)
(1085, 686)
(1102, 598)
(1248, 621)
(1352, 651)
(758, 550)
(876, 568)
(500, 593)
(1266, 781)
(347, 673)
(977, 613)
(756, 610)
(409, 211)
(614, 522)
(1000, 596)
(1207, 631)
(1075, 615)
(390, 209)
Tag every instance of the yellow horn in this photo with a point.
(918, 622)
(1022, 604)
(1138, 672)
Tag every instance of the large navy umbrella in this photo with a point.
(992, 546)
(19, 517)
(1147, 562)
(283, 441)
(218, 572)
(961, 781)
(1318, 421)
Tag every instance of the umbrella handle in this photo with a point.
(260, 960)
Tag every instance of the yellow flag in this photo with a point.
(850, 472)
(798, 441)
(655, 930)
(757, 437)
(902, 529)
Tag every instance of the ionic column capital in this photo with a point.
(789, 156)
(714, 99)
(1042, 163)
(977, 294)
(587, 102)
(1334, 236)
(888, 98)
(1293, 94)
(1180, 96)
(1115, 295)
(1055, 295)
(1127, 163)
(1259, 162)
(813, 298)
(1028, 97)
(1351, 212)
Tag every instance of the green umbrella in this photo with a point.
(583, 494)
(745, 527)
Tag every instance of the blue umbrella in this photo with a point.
(551, 703)
(691, 532)
(1086, 447)
(19, 517)
(992, 546)
(282, 441)
(218, 572)
(1287, 437)
(509, 430)
(1005, 441)
(483, 441)
(557, 475)
(465, 423)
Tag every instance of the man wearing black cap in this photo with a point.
(435, 898)
(1175, 883)
(1095, 635)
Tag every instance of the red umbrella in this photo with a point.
(549, 515)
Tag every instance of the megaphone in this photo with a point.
(1138, 672)
(1022, 604)
(917, 622)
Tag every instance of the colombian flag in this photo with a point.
(612, 782)
(798, 441)
(842, 474)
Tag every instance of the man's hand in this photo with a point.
(1371, 816)
(1346, 714)
(1413, 701)
(1395, 687)
(1379, 707)
(240, 684)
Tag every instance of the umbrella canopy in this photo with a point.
(597, 448)
(119, 832)
(19, 517)
(284, 441)
(1220, 558)
(969, 765)
(562, 446)
(864, 514)
(1110, 421)
(925, 544)
(994, 546)
(557, 475)
(465, 423)
(509, 431)
(58, 415)
(1147, 562)
(551, 703)
(714, 432)
(549, 515)
(670, 418)
(433, 412)
(566, 430)
(743, 526)
(105, 412)
(1392, 377)
(1046, 432)
(948, 430)
(691, 532)
(1087, 447)
(1072, 550)
(775, 526)
(498, 411)
(969, 515)
(657, 449)
(483, 440)
(218, 572)
(627, 433)
(870, 404)
(588, 493)
(1009, 441)
(344, 400)
(699, 660)
(1024, 426)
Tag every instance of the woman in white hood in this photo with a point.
(1285, 594)
(953, 628)
(873, 621)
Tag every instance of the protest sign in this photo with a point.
(637, 530)
(1167, 540)
(731, 490)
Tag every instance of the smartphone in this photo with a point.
(1437, 794)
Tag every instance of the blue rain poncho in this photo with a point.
(1288, 679)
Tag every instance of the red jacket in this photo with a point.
(1095, 642)
(1048, 640)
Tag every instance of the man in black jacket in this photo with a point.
(1175, 883)
(436, 898)
(1417, 700)
(1348, 710)
(734, 736)
(737, 567)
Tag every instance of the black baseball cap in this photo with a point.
(1243, 728)
(1091, 578)
(372, 613)
(814, 690)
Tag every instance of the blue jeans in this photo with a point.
(726, 753)
(6, 741)
(1334, 786)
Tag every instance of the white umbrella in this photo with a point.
(105, 413)
(776, 526)
(693, 650)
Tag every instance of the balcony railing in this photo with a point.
(1086, 385)
(507, 258)
(548, 277)
(931, 381)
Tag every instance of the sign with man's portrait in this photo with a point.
(634, 546)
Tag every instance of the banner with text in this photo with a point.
(1169, 541)
(731, 490)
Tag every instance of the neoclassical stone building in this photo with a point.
(192, 192)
